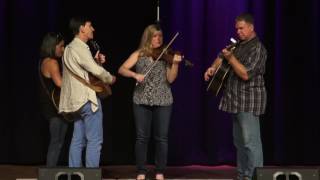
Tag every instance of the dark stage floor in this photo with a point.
(13, 172)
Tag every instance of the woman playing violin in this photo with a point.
(152, 98)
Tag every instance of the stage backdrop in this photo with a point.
(199, 132)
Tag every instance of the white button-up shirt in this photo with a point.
(74, 94)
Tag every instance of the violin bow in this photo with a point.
(163, 51)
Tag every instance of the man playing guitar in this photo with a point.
(80, 99)
(244, 95)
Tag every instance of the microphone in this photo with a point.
(94, 47)
(188, 63)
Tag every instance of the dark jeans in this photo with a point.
(158, 119)
(58, 129)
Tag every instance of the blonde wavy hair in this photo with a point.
(145, 42)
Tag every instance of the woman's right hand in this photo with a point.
(210, 71)
(139, 77)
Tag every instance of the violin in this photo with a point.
(158, 53)
(168, 56)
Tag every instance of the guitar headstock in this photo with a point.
(233, 45)
(233, 40)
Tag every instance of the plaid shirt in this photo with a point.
(250, 95)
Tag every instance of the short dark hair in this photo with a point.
(49, 43)
(76, 22)
(247, 17)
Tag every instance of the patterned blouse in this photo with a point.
(155, 90)
(247, 96)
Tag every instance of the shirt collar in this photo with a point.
(80, 42)
(254, 39)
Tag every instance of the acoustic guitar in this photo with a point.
(218, 78)
(222, 72)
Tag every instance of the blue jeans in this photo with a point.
(246, 137)
(158, 119)
(58, 129)
(87, 133)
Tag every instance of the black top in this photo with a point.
(46, 87)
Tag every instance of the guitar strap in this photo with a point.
(83, 81)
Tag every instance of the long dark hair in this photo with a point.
(49, 43)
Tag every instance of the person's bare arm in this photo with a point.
(125, 68)
(212, 69)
